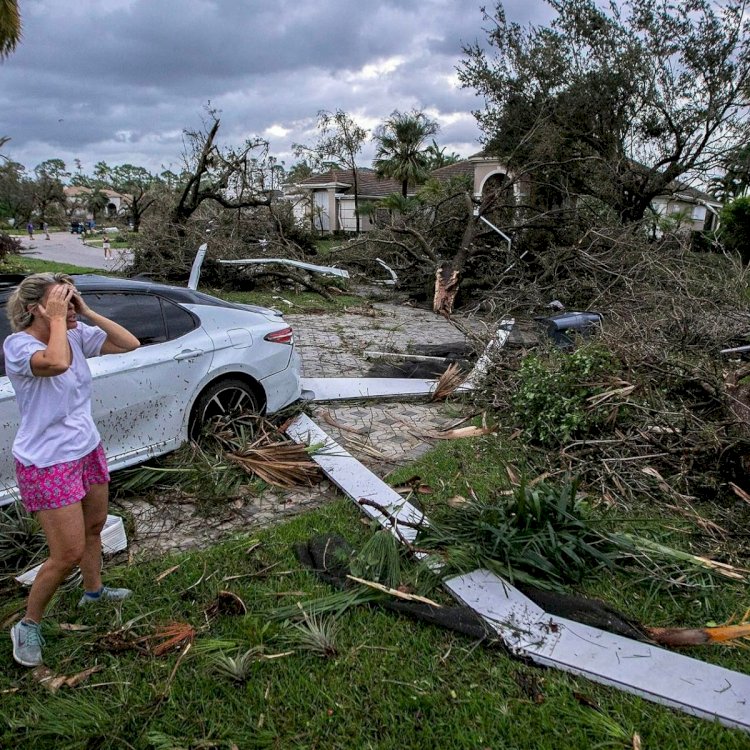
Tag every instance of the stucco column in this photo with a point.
(333, 220)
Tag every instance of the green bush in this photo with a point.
(734, 229)
(551, 400)
(8, 246)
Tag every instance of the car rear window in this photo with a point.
(151, 319)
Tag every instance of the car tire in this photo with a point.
(230, 398)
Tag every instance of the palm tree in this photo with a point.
(10, 27)
(438, 158)
(401, 153)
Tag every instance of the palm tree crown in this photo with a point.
(10, 27)
(401, 154)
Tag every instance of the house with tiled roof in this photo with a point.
(696, 209)
(484, 173)
(326, 201)
(77, 196)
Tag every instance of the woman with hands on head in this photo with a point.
(60, 463)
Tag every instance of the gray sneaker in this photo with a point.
(27, 643)
(105, 595)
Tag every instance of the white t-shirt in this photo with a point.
(56, 424)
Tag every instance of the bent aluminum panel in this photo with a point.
(327, 270)
(341, 389)
(354, 479)
(656, 674)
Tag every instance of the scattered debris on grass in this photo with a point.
(170, 637)
(53, 682)
(226, 603)
(525, 628)
(228, 456)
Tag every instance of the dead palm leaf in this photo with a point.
(169, 637)
(279, 463)
(448, 382)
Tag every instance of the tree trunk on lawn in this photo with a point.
(448, 276)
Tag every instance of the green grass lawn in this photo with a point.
(394, 683)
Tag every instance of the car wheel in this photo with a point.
(229, 400)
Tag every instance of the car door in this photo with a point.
(139, 398)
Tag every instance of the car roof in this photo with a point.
(94, 282)
(91, 282)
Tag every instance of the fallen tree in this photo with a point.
(650, 413)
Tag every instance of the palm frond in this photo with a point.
(448, 382)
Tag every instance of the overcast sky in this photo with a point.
(119, 80)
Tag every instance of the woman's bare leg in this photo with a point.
(94, 515)
(65, 532)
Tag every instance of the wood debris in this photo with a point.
(53, 682)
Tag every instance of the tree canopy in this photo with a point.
(341, 138)
(614, 101)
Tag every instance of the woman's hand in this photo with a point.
(79, 304)
(60, 295)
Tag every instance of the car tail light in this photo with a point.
(283, 336)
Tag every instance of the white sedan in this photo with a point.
(200, 357)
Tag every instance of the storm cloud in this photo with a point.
(120, 81)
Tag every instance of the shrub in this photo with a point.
(735, 227)
(551, 400)
(8, 246)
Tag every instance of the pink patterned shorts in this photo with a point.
(61, 484)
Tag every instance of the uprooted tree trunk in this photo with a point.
(448, 275)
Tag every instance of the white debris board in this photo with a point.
(340, 389)
(654, 673)
(354, 479)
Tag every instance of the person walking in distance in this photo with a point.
(60, 463)
(106, 246)
(30, 230)
(45, 229)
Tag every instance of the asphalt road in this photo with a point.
(69, 248)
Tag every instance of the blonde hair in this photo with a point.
(30, 292)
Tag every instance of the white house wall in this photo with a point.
(348, 217)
